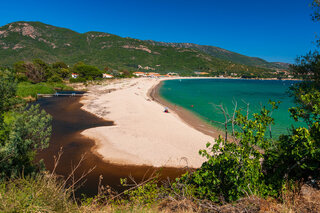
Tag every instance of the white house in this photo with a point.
(172, 74)
(105, 75)
(74, 75)
(139, 74)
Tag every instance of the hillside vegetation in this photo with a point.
(226, 55)
(26, 41)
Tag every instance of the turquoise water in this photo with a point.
(201, 96)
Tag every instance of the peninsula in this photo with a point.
(143, 133)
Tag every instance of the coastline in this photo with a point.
(143, 134)
(185, 115)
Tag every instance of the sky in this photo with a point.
(275, 30)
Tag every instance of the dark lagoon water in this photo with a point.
(201, 96)
(68, 121)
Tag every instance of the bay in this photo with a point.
(203, 97)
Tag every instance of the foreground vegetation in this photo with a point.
(45, 193)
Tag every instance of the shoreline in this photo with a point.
(142, 134)
(232, 78)
(140, 126)
(185, 115)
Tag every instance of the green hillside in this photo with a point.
(226, 55)
(28, 40)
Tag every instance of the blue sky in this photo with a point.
(275, 30)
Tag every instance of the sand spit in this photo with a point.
(143, 134)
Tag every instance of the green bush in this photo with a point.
(146, 194)
(55, 78)
(61, 86)
(77, 80)
(296, 156)
(256, 164)
(25, 131)
(87, 72)
(233, 169)
(26, 89)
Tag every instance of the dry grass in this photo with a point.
(48, 193)
(45, 194)
(305, 200)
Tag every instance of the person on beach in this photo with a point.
(166, 110)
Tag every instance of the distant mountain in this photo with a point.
(226, 55)
(30, 40)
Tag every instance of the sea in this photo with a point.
(203, 97)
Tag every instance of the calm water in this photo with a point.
(201, 96)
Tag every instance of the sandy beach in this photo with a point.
(143, 134)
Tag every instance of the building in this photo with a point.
(139, 74)
(172, 74)
(204, 73)
(201, 73)
(74, 75)
(105, 75)
(153, 74)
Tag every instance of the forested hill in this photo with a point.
(226, 55)
(29, 40)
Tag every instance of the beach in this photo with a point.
(143, 134)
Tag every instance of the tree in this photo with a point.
(7, 93)
(19, 67)
(23, 130)
(35, 74)
(44, 67)
(28, 130)
(256, 164)
(233, 168)
(20, 70)
(316, 14)
(126, 73)
(308, 68)
(87, 71)
(106, 69)
(59, 65)
(296, 156)
(306, 93)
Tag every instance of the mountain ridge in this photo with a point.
(28, 40)
(226, 54)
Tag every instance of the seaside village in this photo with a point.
(137, 74)
(157, 75)
(145, 74)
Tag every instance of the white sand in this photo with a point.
(143, 134)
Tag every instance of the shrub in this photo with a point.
(26, 89)
(27, 131)
(55, 78)
(234, 169)
(77, 80)
(296, 156)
